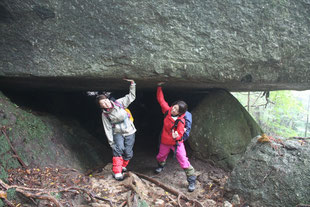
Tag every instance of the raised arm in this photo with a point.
(129, 98)
(161, 100)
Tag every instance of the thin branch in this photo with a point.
(3, 130)
(41, 193)
(42, 197)
(256, 99)
(179, 200)
(31, 195)
(168, 189)
(8, 202)
(173, 201)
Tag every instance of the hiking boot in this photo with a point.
(124, 169)
(118, 176)
(159, 169)
(192, 182)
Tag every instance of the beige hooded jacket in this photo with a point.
(116, 120)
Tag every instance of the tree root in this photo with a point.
(44, 194)
(170, 190)
(3, 130)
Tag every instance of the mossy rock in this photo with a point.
(222, 129)
(45, 140)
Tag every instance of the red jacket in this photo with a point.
(166, 135)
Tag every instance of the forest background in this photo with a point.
(279, 113)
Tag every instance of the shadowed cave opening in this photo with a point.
(78, 106)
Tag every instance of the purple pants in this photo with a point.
(180, 155)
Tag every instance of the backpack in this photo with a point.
(188, 124)
(126, 109)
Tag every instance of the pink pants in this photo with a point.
(180, 155)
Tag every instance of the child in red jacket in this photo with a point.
(171, 137)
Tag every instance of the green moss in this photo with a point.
(224, 131)
(25, 129)
(4, 122)
(143, 203)
(11, 193)
(3, 174)
(4, 145)
(9, 162)
(33, 127)
(57, 195)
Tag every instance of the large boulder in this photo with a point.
(41, 139)
(273, 174)
(222, 129)
(78, 44)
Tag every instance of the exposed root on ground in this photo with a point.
(67, 187)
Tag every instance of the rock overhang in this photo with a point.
(84, 84)
(81, 45)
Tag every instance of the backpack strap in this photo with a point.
(175, 125)
(127, 110)
(118, 104)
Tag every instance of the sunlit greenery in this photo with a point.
(279, 113)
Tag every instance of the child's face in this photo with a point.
(105, 103)
(175, 110)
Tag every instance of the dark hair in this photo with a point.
(100, 97)
(182, 106)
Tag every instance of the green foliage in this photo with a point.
(23, 129)
(11, 193)
(279, 114)
(3, 174)
(9, 162)
(4, 145)
(33, 127)
(143, 203)
(1, 203)
(286, 113)
(57, 195)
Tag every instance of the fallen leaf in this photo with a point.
(3, 194)
(263, 138)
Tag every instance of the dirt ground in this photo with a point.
(58, 186)
(210, 180)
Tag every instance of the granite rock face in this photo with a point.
(221, 129)
(236, 45)
(274, 173)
